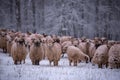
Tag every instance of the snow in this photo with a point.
(27, 71)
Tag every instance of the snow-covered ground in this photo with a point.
(27, 71)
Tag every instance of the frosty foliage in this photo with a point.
(88, 18)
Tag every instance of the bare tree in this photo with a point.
(34, 13)
(18, 15)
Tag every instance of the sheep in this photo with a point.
(36, 36)
(9, 44)
(49, 40)
(54, 37)
(83, 39)
(117, 42)
(110, 43)
(64, 46)
(104, 40)
(75, 42)
(18, 50)
(82, 47)
(28, 42)
(88, 48)
(75, 55)
(97, 42)
(44, 35)
(36, 52)
(101, 56)
(3, 41)
(54, 53)
(114, 56)
(65, 38)
(44, 47)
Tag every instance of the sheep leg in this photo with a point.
(9, 54)
(86, 59)
(70, 61)
(100, 65)
(24, 62)
(37, 61)
(50, 62)
(75, 63)
(20, 62)
(55, 63)
(106, 65)
(111, 67)
(33, 62)
(90, 59)
(5, 50)
(15, 62)
(117, 65)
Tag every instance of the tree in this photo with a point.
(18, 15)
(34, 13)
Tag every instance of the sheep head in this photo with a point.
(36, 42)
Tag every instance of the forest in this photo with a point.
(89, 18)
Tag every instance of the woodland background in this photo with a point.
(77, 18)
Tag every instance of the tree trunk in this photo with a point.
(34, 19)
(97, 18)
(11, 11)
(18, 15)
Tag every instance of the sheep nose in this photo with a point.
(37, 44)
(75, 45)
(9, 41)
(21, 42)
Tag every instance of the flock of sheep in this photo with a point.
(98, 51)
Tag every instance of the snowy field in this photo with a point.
(27, 71)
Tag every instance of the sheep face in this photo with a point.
(20, 41)
(43, 40)
(64, 49)
(37, 42)
(50, 44)
(3, 34)
(110, 44)
(10, 41)
(104, 40)
(75, 43)
(84, 58)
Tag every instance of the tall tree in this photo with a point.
(18, 14)
(97, 17)
(11, 11)
(34, 13)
